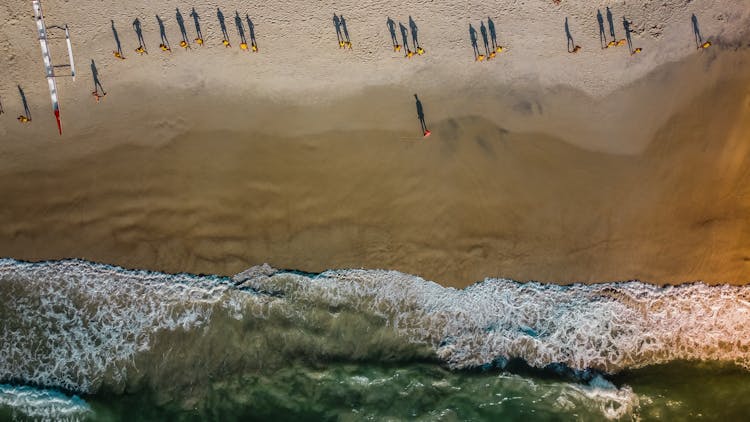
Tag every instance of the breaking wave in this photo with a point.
(88, 328)
(42, 404)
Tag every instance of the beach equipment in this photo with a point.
(49, 67)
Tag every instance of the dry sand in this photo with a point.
(543, 165)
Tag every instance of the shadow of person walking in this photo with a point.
(198, 33)
(473, 39)
(337, 25)
(626, 27)
(392, 30)
(251, 30)
(348, 42)
(163, 33)
(184, 43)
(139, 33)
(611, 24)
(420, 116)
(223, 25)
(493, 34)
(26, 116)
(118, 51)
(415, 36)
(405, 37)
(572, 47)
(97, 83)
(699, 42)
(602, 35)
(240, 30)
(98, 91)
(485, 40)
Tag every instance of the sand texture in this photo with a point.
(543, 165)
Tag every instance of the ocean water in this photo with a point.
(85, 341)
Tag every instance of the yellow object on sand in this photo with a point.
(243, 46)
(480, 57)
(140, 50)
(706, 44)
(397, 47)
(576, 49)
(184, 44)
(199, 41)
(409, 54)
(637, 50)
(164, 47)
(499, 49)
(348, 44)
(492, 55)
(255, 48)
(620, 43)
(23, 119)
(612, 43)
(420, 50)
(118, 55)
(226, 43)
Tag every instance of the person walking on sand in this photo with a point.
(98, 96)
(420, 116)
(392, 29)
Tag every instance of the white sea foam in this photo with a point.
(70, 324)
(43, 404)
(605, 326)
(67, 324)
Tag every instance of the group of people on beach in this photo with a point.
(490, 51)
(488, 34)
(408, 52)
(164, 45)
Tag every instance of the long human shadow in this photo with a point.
(240, 28)
(163, 33)
(117, 38)
(611, 24)
(222, 24)
(420, 116)
(196, 20)
(404, 37)
(139, 32)
(181, 24)
(626, 27)
(414, 32)
(571, 43)
(392, 30)
(485, 40)
(251, 30)
(493, 34)
(346, 31)
(696, 31)
(95, 75)
(602, 35)
(337, 25)
(2, 111)
(473, 38)
(26, 110)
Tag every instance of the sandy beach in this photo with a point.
(543, 165)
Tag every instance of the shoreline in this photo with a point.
(210, 162)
